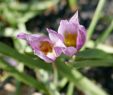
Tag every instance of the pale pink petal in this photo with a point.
(70, 51)
(52, 56)
(74, 18)
(58, 51)
(62, 28)
(59, 43)
(26, 36)
(54, 36)
(31, 39)
(22, 36)
(34, 37)
(81, 37)
(67, 27)
(57, 39)
(44, 57)
(34, 40)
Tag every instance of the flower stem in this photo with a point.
(70, 88)
(81, 82)
(55, 73)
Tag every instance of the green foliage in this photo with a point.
(93, 54)
(22, 58)
(65, 70)
(23, 77)
(50, 78)
(96, 17)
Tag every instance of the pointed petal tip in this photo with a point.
(75, 18)
(81, 37)
(77, 12)
(21, 35)
(51, 31)
(47, 29)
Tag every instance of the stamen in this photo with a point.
(45, 47)
(70, 39)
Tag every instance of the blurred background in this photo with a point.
(34, 16)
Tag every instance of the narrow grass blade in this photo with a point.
(26, 60)
(81, 82)
(95, 18)
(23, 77)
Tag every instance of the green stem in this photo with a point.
(55, 74)
(81, 82)
(70, 89)
(63, 82)
(95, 18)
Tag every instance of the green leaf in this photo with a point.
(23, 77)
(92, 63)
(81, 82)
(26, 60)
(69, 72)
(92, 58)
(93, 54)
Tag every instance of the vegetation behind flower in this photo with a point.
(65, 47)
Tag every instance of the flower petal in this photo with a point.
(47, 59)
(74, 18)
(35, 44)
(62, 27)
(33, 39)
(22, 36)
(81, 37)
(50, 57)
(58, 51)
(54, 36)
(66, 27)
(29, 37)
(70, 51)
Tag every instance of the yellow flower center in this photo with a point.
(45, 47)
(70, 39)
